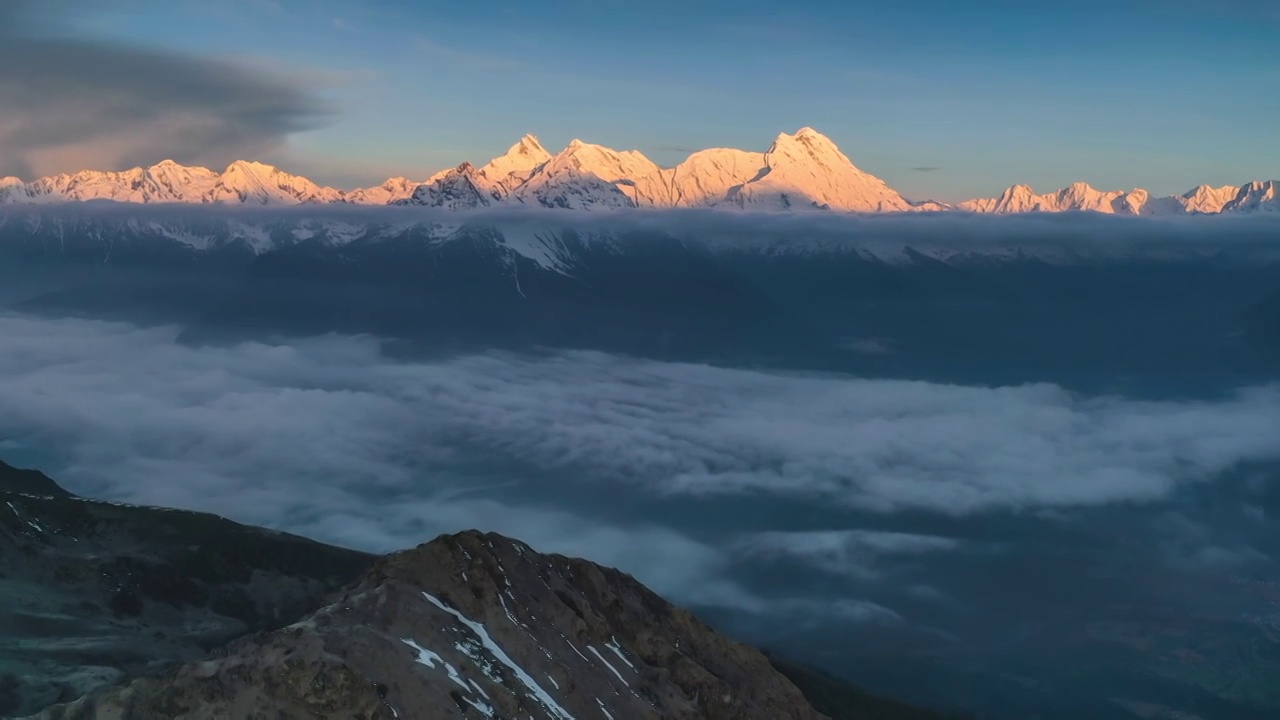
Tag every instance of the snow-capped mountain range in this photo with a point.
(800, 171)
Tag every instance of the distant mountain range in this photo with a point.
(801, 171)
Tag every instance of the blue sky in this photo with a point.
(1163, 95)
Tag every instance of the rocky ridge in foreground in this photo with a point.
(123, 603)
(94, 592)
(472, 625)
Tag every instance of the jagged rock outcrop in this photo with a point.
(472, 625)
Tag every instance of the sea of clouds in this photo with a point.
(331, 438)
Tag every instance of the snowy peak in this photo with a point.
(807, 171)
(806, 146)
(461, 188)
(170, 182)
(167, 181)
(515, 166)
(607, 164)
(10, 189)
(798, 171)
(704, 178)
(394, 189)
(571, 188)
(1256, 197)
(584, 176)
(466, 187)
(1206, 199)
(255, 183)
(1015, 199)
(1082, 197)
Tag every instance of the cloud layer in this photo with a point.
(586, 453)
(73, 103)
(135, 396)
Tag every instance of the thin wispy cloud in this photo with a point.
(842, 552)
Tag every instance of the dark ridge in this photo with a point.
(130, 582)
(840, 700)
(28, 482)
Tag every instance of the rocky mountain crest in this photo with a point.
(472, 625)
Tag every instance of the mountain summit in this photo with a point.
(516, 165)
(808, 170)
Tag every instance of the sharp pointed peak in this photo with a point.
(465, 167)
(528, 144)
(809, 132)
(520, 159)
(803, 134)
(804, 142)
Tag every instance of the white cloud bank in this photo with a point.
(329, 438)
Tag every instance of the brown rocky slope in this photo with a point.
(468, 626)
